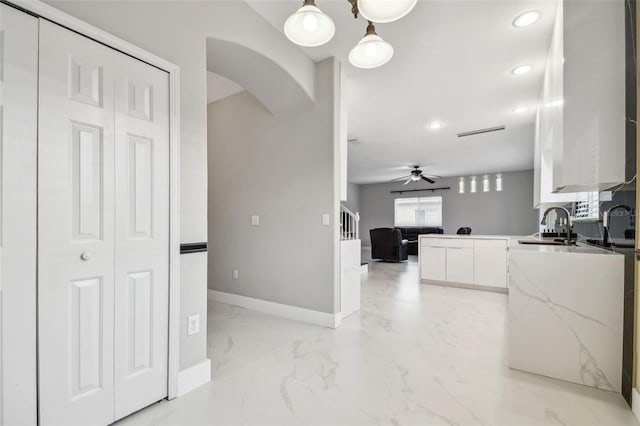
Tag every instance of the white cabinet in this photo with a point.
(433, 259)
(591, 156)
(460, 261)
(460, 265)
(580, 122)
(549, 124)
(480, 261)
(490, 263)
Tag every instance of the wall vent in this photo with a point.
(481, 131)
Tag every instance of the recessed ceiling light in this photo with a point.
(526, 19)
(435, 125)
(522, 69)
(520, 109)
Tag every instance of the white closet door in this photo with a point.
(76, 229)
(142, 234)
(18, 127)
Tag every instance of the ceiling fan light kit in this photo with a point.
(310, 27)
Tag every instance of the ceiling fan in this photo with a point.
(415, 176)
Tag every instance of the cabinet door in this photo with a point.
(460, 265)
(490, 263)
(432, 262)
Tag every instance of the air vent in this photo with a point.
(481, 131)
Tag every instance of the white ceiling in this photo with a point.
(219, 87)
(452, 64)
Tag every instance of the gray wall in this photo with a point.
(353, 197)
(505, 213)
(280, 167)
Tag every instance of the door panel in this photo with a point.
(142, 234)
(76, 229)
(490, 263)
(433, 262)
(18, 158)
(460, 265)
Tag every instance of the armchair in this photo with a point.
(387, 244)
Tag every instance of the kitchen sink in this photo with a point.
(543, 242)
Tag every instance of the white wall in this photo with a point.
(280, 167)
(505, 213)
(177, 31)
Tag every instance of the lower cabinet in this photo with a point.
(433, 262)
(490, 263)
(460, 264)
(481, 262)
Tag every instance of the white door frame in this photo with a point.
(54, 15)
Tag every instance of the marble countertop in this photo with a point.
(580, 248)
(470, 237)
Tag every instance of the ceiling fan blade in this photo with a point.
(400, 178)
(427, 179)
(432, 176)
(408, 180)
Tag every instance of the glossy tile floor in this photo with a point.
(414, 355)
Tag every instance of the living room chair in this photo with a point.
(387, 244)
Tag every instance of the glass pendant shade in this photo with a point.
(309, 26)
(486, 186)
(372, 51)
(461, 186)
(499, 182)
(473, 184)
(383, 11)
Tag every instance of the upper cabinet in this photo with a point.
(580, 128)
(549, 123)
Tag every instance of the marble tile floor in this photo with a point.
(414, 355)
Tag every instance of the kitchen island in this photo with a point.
(566, 313)
(470, 261)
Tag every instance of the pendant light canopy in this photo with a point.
(309, 26)
(383, 11)
(372, 51)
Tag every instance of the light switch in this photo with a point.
(255, 220)
(325, 219)
(193, 326)
(234, 274)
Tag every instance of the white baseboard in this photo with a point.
(278, 309)
(635, 403)
(194, 377)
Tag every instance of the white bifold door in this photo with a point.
(18, 150)
(103, 215)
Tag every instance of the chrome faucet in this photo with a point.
(567, 214)
(606, 217)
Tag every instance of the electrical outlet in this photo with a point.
(235, 274)
(325, 219)
(255, 220)
(193, 325)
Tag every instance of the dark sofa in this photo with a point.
(410, 233)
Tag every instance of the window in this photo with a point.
(587, 207)
(423, 211)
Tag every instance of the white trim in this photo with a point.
(194, 377)
(278, 309)
(635, 403)
(56, 16)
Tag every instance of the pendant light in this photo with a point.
(309, 26)
(383, 11)
(499, 182)
(461, 186)
(486, 186)
(473, 184)
(372, 51)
